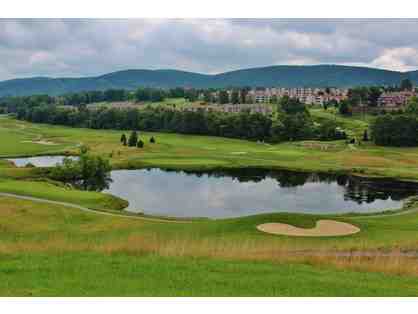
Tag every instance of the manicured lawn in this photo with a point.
(51, 250)
(49, 191)
(204, 152)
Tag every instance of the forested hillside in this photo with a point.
(284, 76)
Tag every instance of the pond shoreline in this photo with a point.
(364, 179)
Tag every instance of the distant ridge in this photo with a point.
(280, 75)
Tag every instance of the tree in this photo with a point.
(235, 97)
(373, 96)
(123, 139)
(395, 130)
(84, 149)
(406, 84)
(152, 139)
(133, 139)
(344, 108)
(365, 136)
(90, 173)
(358, 96)
(412, 107)
(328, 130)
(207, 96)
(291, 105)
(223, 97)
(140, 144)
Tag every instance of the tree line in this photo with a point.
(397, 129)
(369, 95)
(80, 99)
(292, 122)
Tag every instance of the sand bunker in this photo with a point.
(323, 228)
(40, 142)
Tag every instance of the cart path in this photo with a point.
(42, 200)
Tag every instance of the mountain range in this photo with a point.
(280, 75)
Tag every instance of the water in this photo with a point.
(249, 192)
(40, 161)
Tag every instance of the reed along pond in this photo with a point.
(223, 194)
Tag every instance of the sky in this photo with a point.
(89, 47)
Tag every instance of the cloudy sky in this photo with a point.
(93, 47)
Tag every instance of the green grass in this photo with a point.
(50, 191)
(204, 152)
(51, 250)
(354, 125)
(93, 274)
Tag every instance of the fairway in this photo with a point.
(176, 151)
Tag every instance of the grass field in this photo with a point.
(48, 249)
(204, 152)
(51, 250)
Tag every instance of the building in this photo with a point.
(231, 108)
(392, 100)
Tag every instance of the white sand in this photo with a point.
(40, 142)
(323, 228)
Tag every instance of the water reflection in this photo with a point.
(243, 192)
(39, 161)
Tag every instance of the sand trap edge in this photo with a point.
(323, 228)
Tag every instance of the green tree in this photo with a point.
(90, 173)
(140, 144)
(344, 108)
(373, 96)
(395, 130)
(235, 97)
(365, 136)
(133, 139)
(152, 140)
(328, 130)
(412, 107)
(291, 105)
(223, 97)
(406, 84)
(123, 139)
(207, 96)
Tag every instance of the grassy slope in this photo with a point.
(42, 226)
(87, 274)
(46, 190)
(33, 233)
(50, 250)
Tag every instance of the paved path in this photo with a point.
(35, 199)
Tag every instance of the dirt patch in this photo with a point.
(323, 228)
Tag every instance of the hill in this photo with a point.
(282, 75)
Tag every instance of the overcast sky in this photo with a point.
(91, 47)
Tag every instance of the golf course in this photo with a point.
(56, 240)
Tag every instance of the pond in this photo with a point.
(248, 192)
(40, 161)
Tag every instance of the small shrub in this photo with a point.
(123, 139)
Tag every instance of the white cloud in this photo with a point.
(92, 47)
(400, 59)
